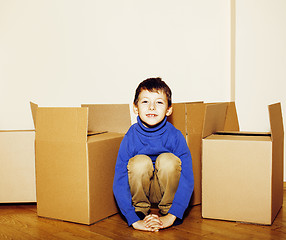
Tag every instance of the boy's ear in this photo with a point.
(135, 109)
(169, 111)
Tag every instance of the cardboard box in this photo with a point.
(17, 171)
(242, 173)
(189, 118)
(74, 169)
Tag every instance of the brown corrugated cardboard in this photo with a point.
(17, 171)
(74, 171)
(231, 121)
(108, 117)
(189, 118)
(242, 174)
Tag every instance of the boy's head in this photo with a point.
(154, 85)
(152, 101)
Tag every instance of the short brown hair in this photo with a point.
(154, 85)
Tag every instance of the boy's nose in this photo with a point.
(151, 106)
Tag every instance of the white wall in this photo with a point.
(260, 61)
(68, 52)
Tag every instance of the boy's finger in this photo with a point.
(151, 216)
(150, 221)
(154, 223)
(155, 229)
(152, 228)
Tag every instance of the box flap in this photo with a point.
(34, 108)
(89, 133)
(215, 115)
(108, 117)
(238, 133)
(187, 117)
(195, 120)
(238, 137)
(178, 117)
(277, 134)
(276, 121)
(61, 124)
(231, 121)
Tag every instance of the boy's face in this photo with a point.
(152, 107)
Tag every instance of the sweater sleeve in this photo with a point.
(186, 183)
(121, 187)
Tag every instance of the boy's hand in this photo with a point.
(154, 223)
(167, 220)
(151, 224)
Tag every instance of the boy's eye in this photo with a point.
(144, 101)
(160, 102)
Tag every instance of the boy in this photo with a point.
(154, 164)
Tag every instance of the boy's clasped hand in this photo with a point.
(154, 223)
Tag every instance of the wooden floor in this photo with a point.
(20, 221)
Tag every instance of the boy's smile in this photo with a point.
(152, 107)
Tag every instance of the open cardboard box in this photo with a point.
(17, 171)
(189, 118)
(242, 173)
(76, 150)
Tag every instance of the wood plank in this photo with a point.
(20, 221)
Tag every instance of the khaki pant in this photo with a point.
(148, 186)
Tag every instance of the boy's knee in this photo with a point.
(168, 162)
(140, 164)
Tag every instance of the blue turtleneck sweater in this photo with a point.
(152, 142)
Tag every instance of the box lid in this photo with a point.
(215, 115)
(239, 136)
(214, 119)
(276, 120)
(242, 133)
(108, 117)
(95, 133)
(195, 117)
(231, 120)
(34, 108)
(60, 123)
